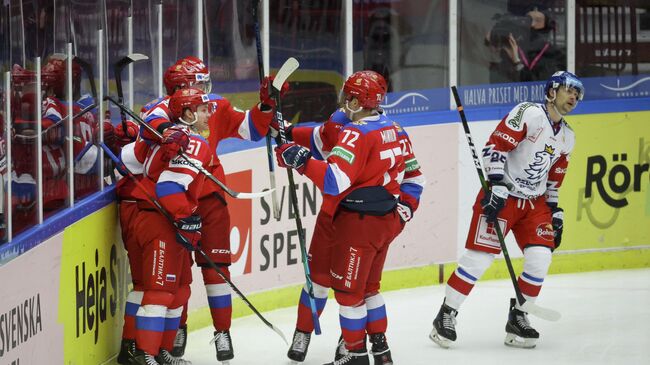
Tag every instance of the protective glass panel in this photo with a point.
(312, 32)
(231, 54)
(613, 48)
(405, 41)
(510, 41)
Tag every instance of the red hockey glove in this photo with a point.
(127, 136)
(494, 200)
(265, 91)
(188, 232)
(175, 140)
(294, 156)
(110, 139)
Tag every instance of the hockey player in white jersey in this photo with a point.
(525, 158)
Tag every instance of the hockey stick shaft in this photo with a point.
(531, 307)
(170, 219)
(291, 65)
(205, 172)
(269, 147)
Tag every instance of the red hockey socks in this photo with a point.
(219, 297)
(150, 320)
(133, 300)
(377, 319)
(173, 317)
(305, 322)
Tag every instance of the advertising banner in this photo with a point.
(606, 194)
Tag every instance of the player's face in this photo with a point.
(202, 115)
(566, 99)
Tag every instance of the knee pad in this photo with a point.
(537, 260)
(211, 276)
(319, 290)
(349, 299)
(181, 297)
(475, 262)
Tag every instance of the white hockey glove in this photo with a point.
(405, 212)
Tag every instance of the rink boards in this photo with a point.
(71, 311)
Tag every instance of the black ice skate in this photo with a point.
(223, 343)
(143, 358)
(299, 346)
(444, 326)
(340, 349)
(354, 357)
(380, 350)
(519, 333)
(127, 352)
(180, 341)
(166, 358)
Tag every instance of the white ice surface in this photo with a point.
(606, 320)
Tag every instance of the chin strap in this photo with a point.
(352, 112)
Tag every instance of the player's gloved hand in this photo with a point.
(494, 200)
(558, 224)
(404, 210)
(175, 140)
(124, 137)
(274, 131)
(292, 155)
(188, 232)
(265, 91)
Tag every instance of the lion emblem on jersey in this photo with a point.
(542, 164)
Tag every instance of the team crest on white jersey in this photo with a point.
(543, 159)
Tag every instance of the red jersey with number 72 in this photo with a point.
(367, 153)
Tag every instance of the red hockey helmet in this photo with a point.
(187, 72)
(368, 87)
(190, 98)
(53, 75)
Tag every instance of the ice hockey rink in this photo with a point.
(605, 320)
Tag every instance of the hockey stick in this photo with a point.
(117, 71)
(269, 149)
(121, 166)
(527, 306)
(232, 193)
(283, 74)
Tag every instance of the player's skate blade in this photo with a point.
(513, 340)
(441, 341)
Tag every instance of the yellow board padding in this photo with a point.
(430, 275)
(92, 294)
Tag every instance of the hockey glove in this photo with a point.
(405, 212)
(188, 232)
(175, 140)
(494, 200)
(294, 156)
(127, 136)
(265, 91)
(274, 131)
(558, 224)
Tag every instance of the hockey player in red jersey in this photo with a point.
(360, 181)
(525, 158)
(85, 127)
(165, 247)
(320, 140)
(224, 122)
